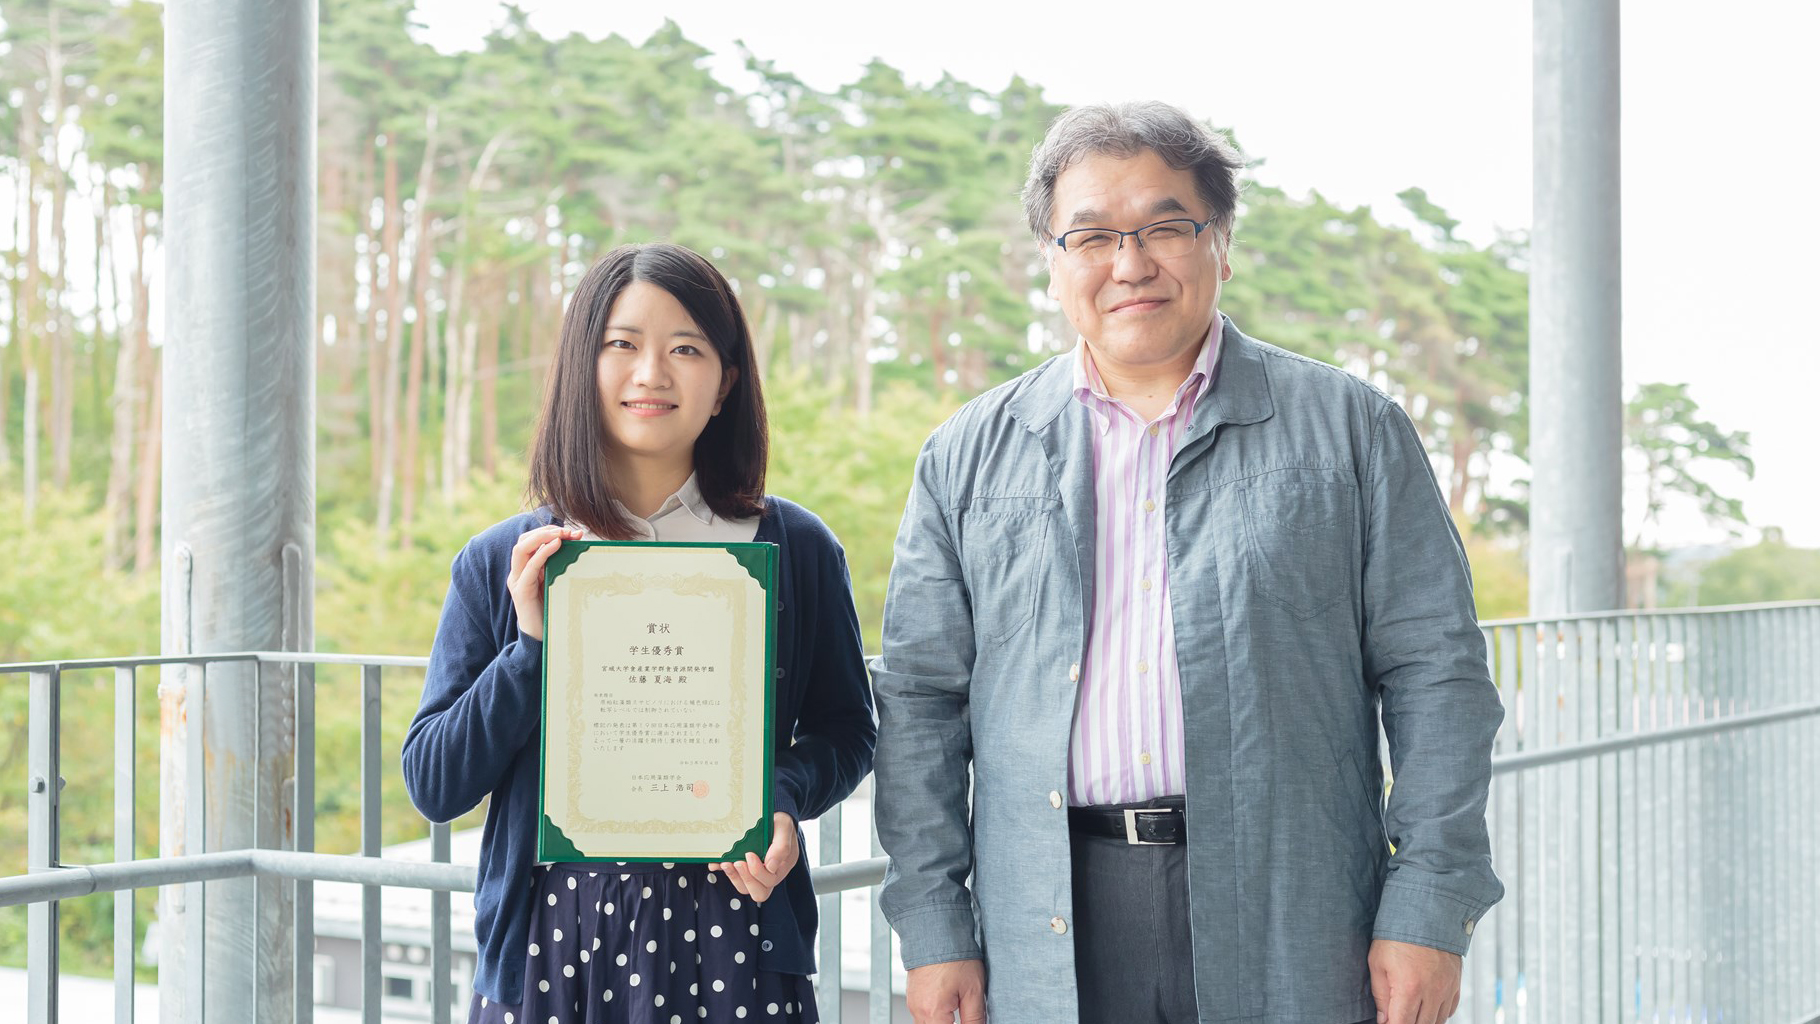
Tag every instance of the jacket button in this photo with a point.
(1074, 673)
(1469, 926)
(1055, 799)
(1058, 926)
(765, 945)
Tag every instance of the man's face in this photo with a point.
(1136, 311)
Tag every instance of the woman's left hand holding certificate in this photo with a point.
(756, 878)
(525, 582)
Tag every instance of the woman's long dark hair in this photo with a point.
(569, 470)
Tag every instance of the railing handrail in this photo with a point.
(71, 881)
(256, 657)
(1651, 613)
(418, 661)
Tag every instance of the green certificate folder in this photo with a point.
(658, 698)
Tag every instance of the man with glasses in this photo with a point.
(1150, 600)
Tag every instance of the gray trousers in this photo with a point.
(1133, 951)
(1133, 961)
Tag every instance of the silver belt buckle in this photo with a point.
(1131, 817)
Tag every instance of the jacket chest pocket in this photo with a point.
(1003, 543)
(1299, 543)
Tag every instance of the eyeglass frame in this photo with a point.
(1199, 226)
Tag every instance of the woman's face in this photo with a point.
(660, 379)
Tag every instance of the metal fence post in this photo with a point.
(125, 775)
(44, 794)
(303, 799)
(828, 993)
(371, 948)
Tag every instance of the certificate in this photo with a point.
(657, 702)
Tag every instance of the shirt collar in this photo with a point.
(689, 498)
(1089, 386)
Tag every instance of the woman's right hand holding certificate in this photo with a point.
(525, 582)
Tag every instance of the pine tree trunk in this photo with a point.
(540, 342)
(420, 331)
(145, 523)
(14, 294)
(62, 344)
(1461, 472)
(336, 303)
(488, 374)
(125, 406)
(464, 404)
(862, 340)
(451, 474)
(452, 382)
(368, 335)
(394, 330)
(28, 305)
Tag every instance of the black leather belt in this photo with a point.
(1138, 826)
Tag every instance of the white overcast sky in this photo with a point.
(1361, 100)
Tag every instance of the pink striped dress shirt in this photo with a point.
(1127, 742)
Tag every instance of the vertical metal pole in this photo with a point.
(1527, 868)
(1713, 850)
(125, 774)
(239, 433)
(878, 996)
(303, 799)
(441, 998)
(44, 794)
(1734, 869)
(371, 951)
(828, 992)
(1508, 839)
(193, 1003)
(1681, 834)
(1630, 836)
(1611, 934)
(1549, 824)
(1807, 800)
(1587, 683)
(1576, 550)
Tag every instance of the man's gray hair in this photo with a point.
(1124, 130)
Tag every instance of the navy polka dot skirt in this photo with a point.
(646, 944)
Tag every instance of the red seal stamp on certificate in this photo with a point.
(701, 790)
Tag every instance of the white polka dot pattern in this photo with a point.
(578, 983)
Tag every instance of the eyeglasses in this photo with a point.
(1165, 238)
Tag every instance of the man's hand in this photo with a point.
(757, 878)
(1413, 984)
(935, 992)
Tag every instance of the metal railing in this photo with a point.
(49, 881)
(1655, 817)
(1655, 814)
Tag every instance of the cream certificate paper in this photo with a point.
(657, 701)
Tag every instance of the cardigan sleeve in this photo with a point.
(481, 700)
(831, 750)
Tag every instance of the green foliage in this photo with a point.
(1500, 578)
(1662, 426)
(854, 472)
(56, 598)
(1767, 571)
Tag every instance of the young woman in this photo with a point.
(653, 428)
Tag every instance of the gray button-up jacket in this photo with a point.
(1315, 580)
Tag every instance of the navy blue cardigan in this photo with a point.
(475, 732)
